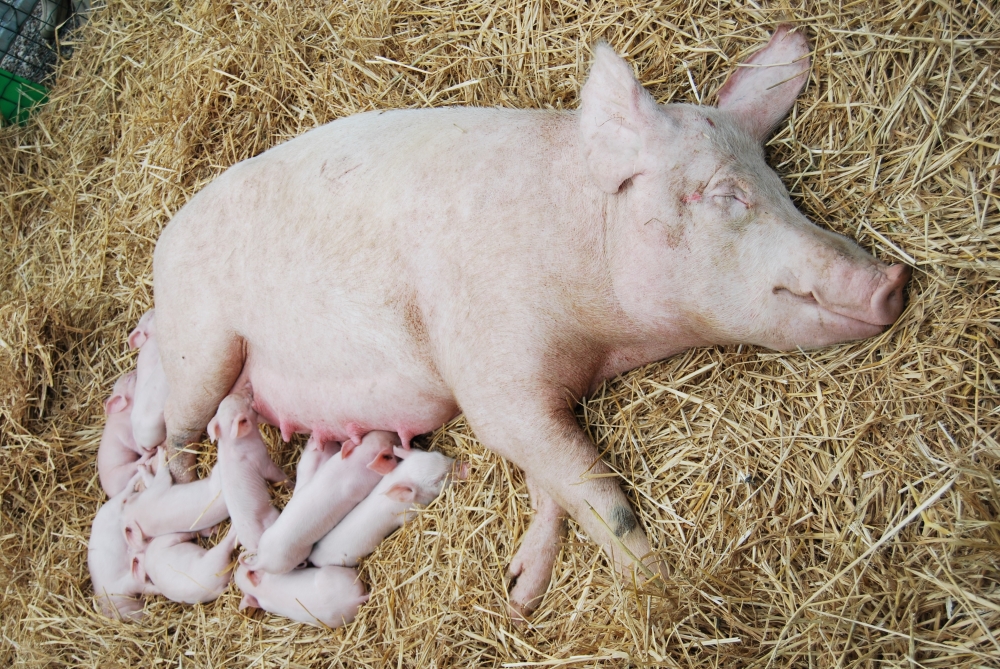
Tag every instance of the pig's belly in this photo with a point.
(340, 399)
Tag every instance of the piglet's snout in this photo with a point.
(887, 300)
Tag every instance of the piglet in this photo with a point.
(246, 468)
(338, 486)
(418, 479)
(165, 507)
(118, 456)
(315, 453)
(151, 389)
(116, 571)
(328, 596)
(183, 571)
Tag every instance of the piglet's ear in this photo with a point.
(115, 404)
(241, 426)
(254, 578)
(383, 463)
(402, 492)
(762, 90)
(615, 112)
(138, 570)
(249, 602)
(214, 430)
(346, 449)
(136, 338)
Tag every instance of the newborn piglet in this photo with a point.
(315, 453)
(417, 479)
(116, 571)
(246, 468)
(148, 426)
(183, 571)
(328, 596)
(336, 488)
(165, 507)
(118, 456)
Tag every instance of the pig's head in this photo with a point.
(234, 419)
(706, 246)
(143, 331)
(421, 476)
(121, 394)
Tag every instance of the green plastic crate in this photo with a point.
(18, 96)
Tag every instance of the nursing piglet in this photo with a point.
(148, 426)
(118, 456)
(315, 453)
(338, 486)
(417, 479)
(183, 571)
(246, 468)
(329, 596)
(116, 572)
(165, 507)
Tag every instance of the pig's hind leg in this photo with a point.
(201, 365)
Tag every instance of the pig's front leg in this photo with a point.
(541, 437)
(531, 568)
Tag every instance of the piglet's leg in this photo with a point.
(199, 375)
(531, 569)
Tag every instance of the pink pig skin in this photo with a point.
(151, 389)
(118, 456)
(165, 507)
(315, 453)
(339, 485)
(245, 468)
(417, 479)
(329, 595)
(519, 260)
(183, 571)
(116, 571)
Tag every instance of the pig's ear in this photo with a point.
(615, 111)
(254, 578)
(347, 448)
(214, 430)
(115, 403)
(241, 426)
(138, 570)
(383, 463)
(249, 602)
(762, 90)
(137, 338)
(402, 492)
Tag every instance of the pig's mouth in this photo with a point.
(833, 318)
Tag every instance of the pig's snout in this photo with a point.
(887, 300)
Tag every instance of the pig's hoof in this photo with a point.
(526, 586)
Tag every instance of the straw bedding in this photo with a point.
(827, 508)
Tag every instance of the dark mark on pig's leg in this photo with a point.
(622, 521)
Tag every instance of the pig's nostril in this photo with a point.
(887, 300)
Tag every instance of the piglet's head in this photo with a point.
(143, 331)
(121, 394)
(706, 245)
(234, 419)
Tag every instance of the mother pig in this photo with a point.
(391, 269)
